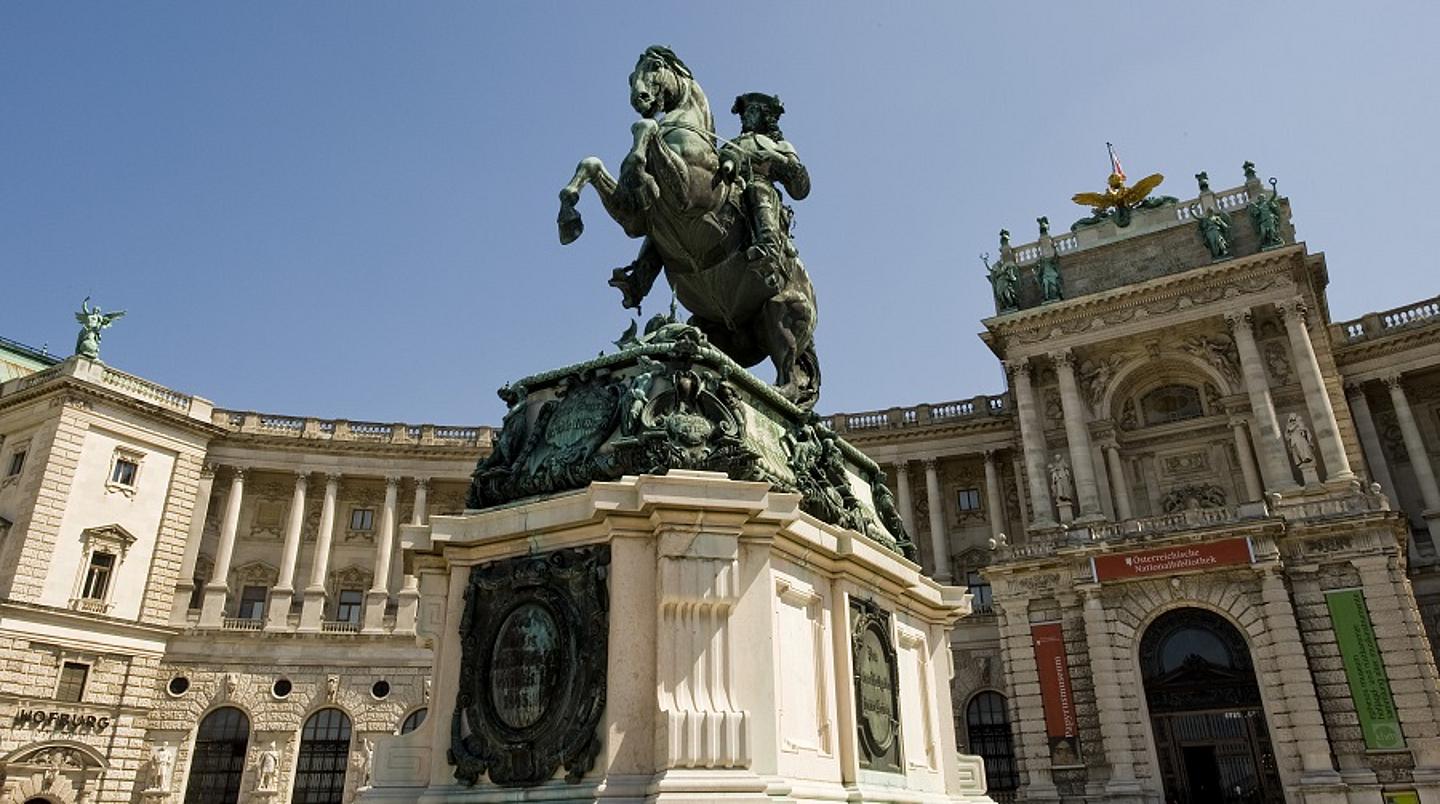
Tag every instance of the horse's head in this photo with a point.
(659, 81)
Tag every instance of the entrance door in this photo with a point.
(1206, 713)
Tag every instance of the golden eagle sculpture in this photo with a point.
(1117, 200)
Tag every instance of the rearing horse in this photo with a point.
(670, 193)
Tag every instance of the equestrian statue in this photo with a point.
(712, 219)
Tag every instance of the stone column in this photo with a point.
(212, 615)
(1317, 398)
(1123, 509)
(421, 514)
(1370, 439)
(1032, 436)
(1414, 444)
(1274, 463)
(1419, 456)
(906, 496)
(1022, 681)
(278, 610)
(1289, 674)
(1077, 436)
(939, 539)
(1112, 704)
(379, 593)
(994, 500)
(1253, 489)
(185, 587)
(313, 612)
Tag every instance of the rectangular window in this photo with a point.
(967, 499)
(252, 602)
(71, 688)
(97, 577)
(124, 472)
(362, 518)
(981, 601)
(17, 462)
(348, 609)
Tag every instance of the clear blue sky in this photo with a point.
(346, 209)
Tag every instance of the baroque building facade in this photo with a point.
(1198, 527)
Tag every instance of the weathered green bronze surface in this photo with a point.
(669, 399)
(1214, 230)
(92, 321)
(712, 220)
(877, 686)
(534, 641)
(1266, 214)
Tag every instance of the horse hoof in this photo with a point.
(571, 226)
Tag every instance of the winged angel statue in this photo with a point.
(92, 320)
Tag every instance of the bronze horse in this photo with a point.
(672, 192)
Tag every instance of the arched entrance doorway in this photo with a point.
(219, 759)
(324, 758)
(987, 731)
(1206, 712)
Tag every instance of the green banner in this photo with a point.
(1364, 669)
(1402, 797)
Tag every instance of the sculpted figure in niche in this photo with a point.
(1300, 442)
(332, 688)
(267, 769)
(365, 763)
(162, 764)
(1060, 479)
(1278, 363)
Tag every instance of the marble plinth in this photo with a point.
(728, 630)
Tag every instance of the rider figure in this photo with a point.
(759, 157)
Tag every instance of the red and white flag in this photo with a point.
(1115, 162)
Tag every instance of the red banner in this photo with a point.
(1055, 693)
(1168, 560)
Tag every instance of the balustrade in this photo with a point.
(1374, 325)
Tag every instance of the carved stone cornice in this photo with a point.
(1194, 288)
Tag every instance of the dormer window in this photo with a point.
(1171, 403)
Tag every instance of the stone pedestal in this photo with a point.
(717, 662)
(672, 585)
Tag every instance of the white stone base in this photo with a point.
(729, 668)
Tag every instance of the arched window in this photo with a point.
(219, 759)
(413, 720)
(1171, 403)
(988, 729)
(324, 756)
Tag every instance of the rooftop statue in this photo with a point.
(1117, 200)
(92, 321)
(711, 218)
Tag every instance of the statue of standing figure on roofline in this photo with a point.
(1266, 213)
(92, 321)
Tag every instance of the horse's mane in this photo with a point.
(691, 88)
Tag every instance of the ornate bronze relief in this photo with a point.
(532, 668)
(877, 685)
